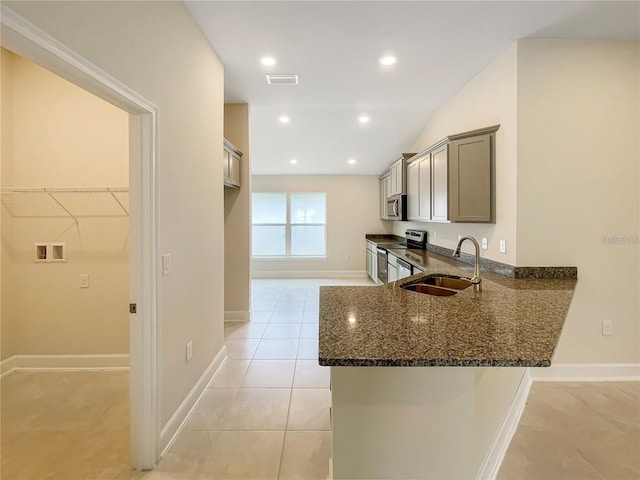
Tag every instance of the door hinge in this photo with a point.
(133, 308)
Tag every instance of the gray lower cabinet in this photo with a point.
(454, 180)
(372, 261)
(231, 165)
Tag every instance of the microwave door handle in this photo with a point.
(395, 208)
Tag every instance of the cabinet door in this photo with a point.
(392, 273)
(424, 190)
(413, 190)
(383, 198)
(419, 189)
(440, 184)
(471, 181)
(234, 170)
(225, 165)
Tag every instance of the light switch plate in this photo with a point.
(503, 246)
(485, 243)
(84, 280)
(166, 264)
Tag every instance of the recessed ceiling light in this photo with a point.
(351, 161)
(268, 61)
(293, 161)
(388, 60)
(284, 119)
(363, 119)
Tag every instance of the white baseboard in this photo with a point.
(493, 460)
(174, 426)
(237, 315)
(115, 361)
(587, 372)
(308, 274)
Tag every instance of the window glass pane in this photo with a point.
(308, 207)
(268, 240)
(307, 240)
(269, 208)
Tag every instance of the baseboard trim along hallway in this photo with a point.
(175, 424)
(587, 372)
(114, 361)
(290, 274)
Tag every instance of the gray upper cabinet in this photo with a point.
(470, 185)
(397, 180)
(231, 165)
(419, 189)
(454, 180)
(385, 183)
(440, 184)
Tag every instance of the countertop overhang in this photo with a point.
(510, 323)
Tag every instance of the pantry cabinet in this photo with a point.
(454, 179)
(231, 165)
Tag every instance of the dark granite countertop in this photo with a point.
(384, 238)
(512, 322)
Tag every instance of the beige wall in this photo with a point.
(567, 159)
(578, 158)
(61, 136)
(237, 219)
(352, 212)
(490, 98)
(156, 49)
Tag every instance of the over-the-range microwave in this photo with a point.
(397, 207)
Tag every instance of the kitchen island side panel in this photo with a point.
(417, 422)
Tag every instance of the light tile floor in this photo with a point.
(581, 431)
(266, 414)
(65, 425)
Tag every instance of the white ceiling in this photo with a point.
(334, 47)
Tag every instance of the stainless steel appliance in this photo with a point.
(397, 207)
(414, 240)
(382, 264)
(405, 269)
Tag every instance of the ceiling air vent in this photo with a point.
(282, 79)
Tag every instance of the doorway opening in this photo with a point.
(26, 40)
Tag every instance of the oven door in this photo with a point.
(382, 265)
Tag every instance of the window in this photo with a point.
(289, 224)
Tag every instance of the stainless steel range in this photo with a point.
(414, 240)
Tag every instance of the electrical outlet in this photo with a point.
(347, 257)
(189, 350)
(166, 264)
(503, 246)
(459, 236)
(435, 234)
(607, 328)
(84, 280)
(485, 243)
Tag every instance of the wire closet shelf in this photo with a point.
(51, 202)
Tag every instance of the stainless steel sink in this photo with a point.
(429, 289)
(448, 281)
(439, 285)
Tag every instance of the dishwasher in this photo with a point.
(405, 269)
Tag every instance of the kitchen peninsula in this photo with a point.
(421, 412)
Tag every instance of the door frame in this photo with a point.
(28, 41)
